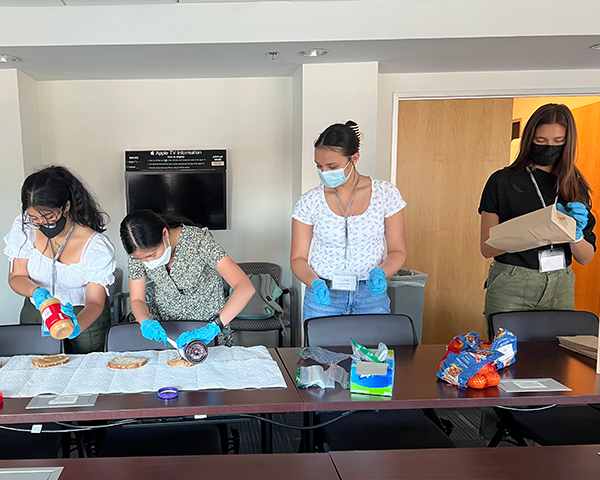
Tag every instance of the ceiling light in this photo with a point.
(595, 47)
(8, 59)
(273, 55)
(314, 52)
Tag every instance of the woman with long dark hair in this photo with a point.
(56, 249)
(185, 264)
(543, 173)
(349, 220)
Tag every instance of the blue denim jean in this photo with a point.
(346, 303)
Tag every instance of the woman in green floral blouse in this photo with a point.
(186, 264)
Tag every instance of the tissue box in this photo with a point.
(373, 378)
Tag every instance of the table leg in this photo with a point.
(266, 434)
(307, 444)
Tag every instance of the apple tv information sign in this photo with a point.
(185, 183)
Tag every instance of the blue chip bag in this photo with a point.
(457, 369)
(505, 342)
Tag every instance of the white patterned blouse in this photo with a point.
(366, 232)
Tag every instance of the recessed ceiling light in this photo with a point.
(314, 52)
(8, 59)
(595, 47)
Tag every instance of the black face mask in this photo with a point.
(56, 228)
(545, 155)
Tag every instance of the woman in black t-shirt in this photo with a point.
(543, 173)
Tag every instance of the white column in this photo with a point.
(12, 167)
(323, 94)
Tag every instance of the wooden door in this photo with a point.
(447, 149)
(587, 277)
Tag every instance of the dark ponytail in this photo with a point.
(144, 229)
(345, 137)
(52, 187)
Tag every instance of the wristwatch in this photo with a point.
(217, 321)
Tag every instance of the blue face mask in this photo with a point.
(335, 178)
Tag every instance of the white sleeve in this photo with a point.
(19, 241)
(99, 261)
(304, 211)
(393, 201)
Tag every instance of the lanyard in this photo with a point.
(346, 213)
(55, 257)
(537, 188)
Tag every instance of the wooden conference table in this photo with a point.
(148, 405)
(416, 385)
(571, 462)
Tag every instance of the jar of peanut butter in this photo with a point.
(59, 324)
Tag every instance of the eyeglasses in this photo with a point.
(48, 220)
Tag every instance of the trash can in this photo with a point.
(406, 289)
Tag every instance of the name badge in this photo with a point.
(551, 260)
(344, 281)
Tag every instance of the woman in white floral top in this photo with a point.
(348, 219)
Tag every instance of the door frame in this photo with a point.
(475, 94)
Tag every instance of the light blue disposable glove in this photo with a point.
(40, 295)
(152, 330)
(580, 213)
(205, 334)
(321, 293)
(68, 310)
(377, 283)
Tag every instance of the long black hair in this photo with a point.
(144, 229)
(55, 186)
(344, 137)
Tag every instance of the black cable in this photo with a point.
(295, 427)
(74, 428)
(80, 428)
(534, 409)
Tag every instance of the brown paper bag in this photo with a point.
(536, 229)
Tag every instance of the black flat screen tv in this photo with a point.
(197, 195)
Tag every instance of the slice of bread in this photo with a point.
(127, 363)
(175, 362)
(50, 360)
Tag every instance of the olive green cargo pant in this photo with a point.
(510, 289)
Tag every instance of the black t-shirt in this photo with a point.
(500, 197)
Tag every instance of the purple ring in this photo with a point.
(167, 393)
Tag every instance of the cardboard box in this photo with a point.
(536, 229)
(373, 378)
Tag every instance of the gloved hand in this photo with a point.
(580, 213)
(321, 292)
(153, 330)
(205, 334)
(68, 310)
(40, 295)
(377, 283)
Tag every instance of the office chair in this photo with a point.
(272, 323)
(374, 430)
(27, 340)
(558, 425)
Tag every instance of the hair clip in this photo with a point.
(357, 132)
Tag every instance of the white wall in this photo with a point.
(30, 123)
(11, 165)
(336, 93)
(88, 125)
(470, 84)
